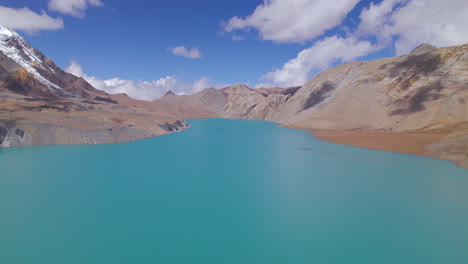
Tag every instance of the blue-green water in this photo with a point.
(229, 191)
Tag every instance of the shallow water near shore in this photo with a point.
(230, 191)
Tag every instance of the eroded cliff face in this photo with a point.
(260, 104)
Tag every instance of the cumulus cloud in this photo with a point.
(74, 8)
(28, 21)
(375, 16)
(440, 23)
(143, 90)
(201, 84)
(318, 57)
(293, 20)
(75, 69)
(193, 53)
(410, 22)
(140, 90)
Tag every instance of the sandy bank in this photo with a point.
(450, 143)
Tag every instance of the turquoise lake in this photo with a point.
(230, 191)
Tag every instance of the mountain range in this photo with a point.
(411, 104)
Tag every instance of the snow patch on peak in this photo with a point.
(5, 33)
(16, 48)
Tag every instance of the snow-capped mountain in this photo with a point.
(16, 48)
(40, 104)
(27, 71)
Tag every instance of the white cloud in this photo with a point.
(293, 20)
(75, 69)
(28, 21)
(140, 90)
(74, 8)
(375, 16)
(440, 23)
(143, 90)
(318, 57)
(193, 53)
(201, 84)
(237, 37)
(411, 22)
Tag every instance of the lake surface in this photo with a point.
(230, 191)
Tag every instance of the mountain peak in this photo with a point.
(237, 87)
(423, 48)
(13, 46)
(49, 79)
(169, 93)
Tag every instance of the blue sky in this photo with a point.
(261, 43)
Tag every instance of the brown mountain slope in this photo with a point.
(390, 101)
(412, 104)
(40, 104)
(405, 93)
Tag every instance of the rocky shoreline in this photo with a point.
(43, 134)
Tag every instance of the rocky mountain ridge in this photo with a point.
(422, 91)
(419, 99)
(40, 104)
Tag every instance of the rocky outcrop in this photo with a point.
(260, 104)
(11, 136)
(3, 134)
(179, 125)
